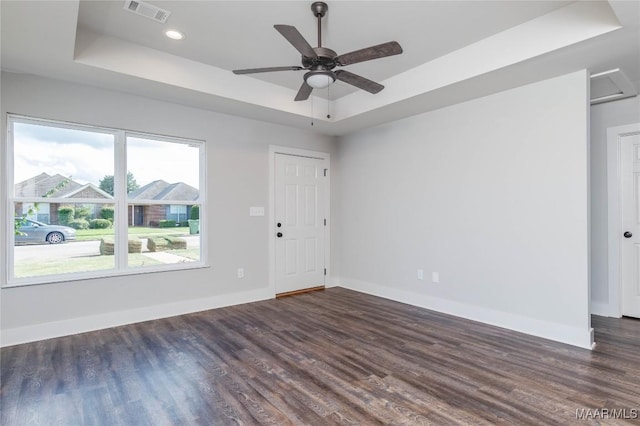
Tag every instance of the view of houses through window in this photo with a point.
(73, 202)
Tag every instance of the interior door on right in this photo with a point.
(630, 250)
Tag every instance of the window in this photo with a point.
(87, 201)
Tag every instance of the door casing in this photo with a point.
(276, 149)
(614, 214)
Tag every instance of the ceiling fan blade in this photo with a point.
(294, 37)
(271, 69)
(358, 81)
(304, 92)
(374, 52)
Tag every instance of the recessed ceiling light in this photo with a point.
(174, 34)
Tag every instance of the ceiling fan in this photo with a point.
(320, 61)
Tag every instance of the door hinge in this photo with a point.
(325, 172)
(325, 271)
(325, 222)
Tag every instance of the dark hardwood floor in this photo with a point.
(329, 357)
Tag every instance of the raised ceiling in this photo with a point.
(453, 51)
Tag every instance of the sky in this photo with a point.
(86, 157)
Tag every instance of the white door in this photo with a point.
(300, 222)
(630, 251)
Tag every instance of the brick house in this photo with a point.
(58, 186)
(148, 214)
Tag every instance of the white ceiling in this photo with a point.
(453, 51)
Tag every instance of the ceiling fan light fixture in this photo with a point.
(319, 79)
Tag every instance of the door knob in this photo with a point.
(279, 235)
(628, 234)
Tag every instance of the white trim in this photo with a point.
(575, 336)
(276, 149)
(105, 273)
(120, 202)
(601, 309)
(614, 214)
(48, 330)
(9, 208)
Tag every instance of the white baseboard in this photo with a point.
(575, 336)
(331, 282)
(557, 332)
(602, 309)
(32, 333)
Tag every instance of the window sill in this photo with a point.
(108, 273)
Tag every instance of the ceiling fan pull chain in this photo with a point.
(328, 102)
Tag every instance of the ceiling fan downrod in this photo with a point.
(319, 9)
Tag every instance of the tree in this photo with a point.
(106, 183)
(32, 210)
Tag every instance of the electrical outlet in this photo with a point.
(420, 274)
(240, 272)
(435, 277)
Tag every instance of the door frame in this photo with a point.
(614, 213)
(277, 149)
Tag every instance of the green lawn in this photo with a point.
(134, 231)
(193, 253)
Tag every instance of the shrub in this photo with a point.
(183, 223)
(82, 212)
(167, 223)
(66, 214)
(78, 224)
(99, 224)
(195, 213)
(107, 213)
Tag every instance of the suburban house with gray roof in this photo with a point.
(58, 186)
(144, 213)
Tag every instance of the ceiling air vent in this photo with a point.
(147, 10)
(610, 86)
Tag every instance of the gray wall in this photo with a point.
(492, 194)
(237, 151)
(603, 116)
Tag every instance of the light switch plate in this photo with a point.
(256, 211)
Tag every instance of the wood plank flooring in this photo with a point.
(328, 357)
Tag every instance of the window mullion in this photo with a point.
(9, 207)
(120, 193)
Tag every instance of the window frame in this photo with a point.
(120, 202)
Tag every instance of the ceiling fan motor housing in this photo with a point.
(325, 59)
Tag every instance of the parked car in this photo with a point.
(34, 232)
